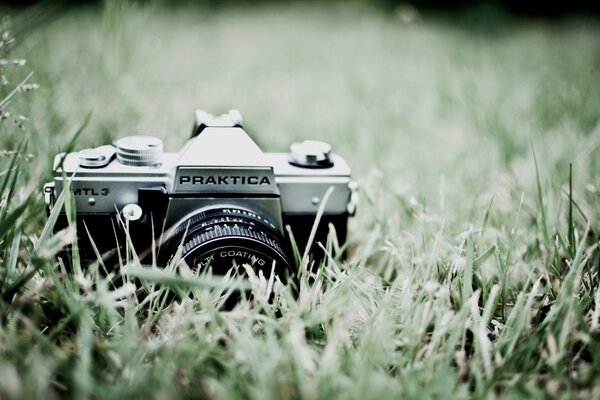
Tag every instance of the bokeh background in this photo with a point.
(464, 122)
(457, 91)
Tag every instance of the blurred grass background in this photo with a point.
(439, 115)
(440, 96)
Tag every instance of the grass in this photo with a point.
(474, 262)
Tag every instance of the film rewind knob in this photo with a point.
(311, 154)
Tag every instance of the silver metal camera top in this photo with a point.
(139, 151)
(303, 188)
(311, 153)
(221, 162)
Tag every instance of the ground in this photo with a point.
(473, 267)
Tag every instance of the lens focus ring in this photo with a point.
(226, 238)
(219, 231)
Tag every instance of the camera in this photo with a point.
(219, 203)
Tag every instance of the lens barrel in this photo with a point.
(225, 238)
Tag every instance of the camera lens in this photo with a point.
(225, 238)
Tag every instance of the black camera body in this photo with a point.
(218, 203)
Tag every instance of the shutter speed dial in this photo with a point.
(139, 151)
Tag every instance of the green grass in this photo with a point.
(474, 267)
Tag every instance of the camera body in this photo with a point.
(218, 202)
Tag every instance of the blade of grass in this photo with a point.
(571, 228)
(50, 222)
(313, 231)
(15, 90)
(540, 196)
(467, 273)
(486, 215)
(170, 280)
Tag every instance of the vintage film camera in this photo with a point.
(219, 202)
